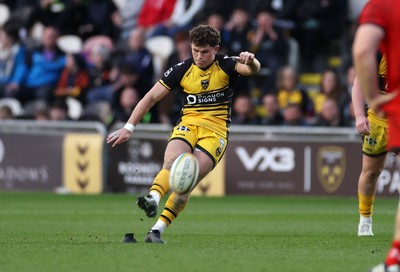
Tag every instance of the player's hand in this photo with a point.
(119, 136)
(362, 125)
(246, 58)
(378, 101)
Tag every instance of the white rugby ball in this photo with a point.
(184, 173)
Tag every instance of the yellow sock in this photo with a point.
(172, 209)
(366, 204)
(161, 183)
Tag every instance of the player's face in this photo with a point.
(204, 55)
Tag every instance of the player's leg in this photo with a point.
(177, 203)
(371, 169)
(160, 184)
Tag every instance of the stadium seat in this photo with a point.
(160, 47)
(70, 44)
(13, 104)
(4, 14)
(74, 108)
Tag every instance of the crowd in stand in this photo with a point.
(113, 69)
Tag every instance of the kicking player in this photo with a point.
(380, 27)
(374, 131)
(205, 82)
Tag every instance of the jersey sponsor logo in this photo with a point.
(183, 128)
(276, 159)
(205, 83)
(205, 98)
(371, 141)
(218, 151)
(331, 165)
(166, 74)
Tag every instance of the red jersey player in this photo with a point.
(380, 28)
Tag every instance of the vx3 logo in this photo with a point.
(277, 159)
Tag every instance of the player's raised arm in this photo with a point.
(247, 65)
(156, 93)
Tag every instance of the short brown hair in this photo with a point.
(203, 35)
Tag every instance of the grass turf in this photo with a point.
(48, 232)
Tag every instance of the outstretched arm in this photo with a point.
(157, 93)
(247, 65)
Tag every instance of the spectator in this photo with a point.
(12, 58)
(270, 45)
(101, 19)
(154, 13)
(139, 58)
(320, 23)
(58, 110)
(100, 81)
(239, 27)
(74, 79)
(128, 100)
(292, 116)
(289, 91)
(243, 112)
(330, 115)
(330, 88)
(128, 16)
(44, 65)
(217, 21)
(284, 10)
(181, 19)
(6, 113)
(272, 112)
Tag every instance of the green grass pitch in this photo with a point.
(49, 232)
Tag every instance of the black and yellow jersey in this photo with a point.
(382, 71)
(206, 93)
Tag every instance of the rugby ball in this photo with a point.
(184, 173)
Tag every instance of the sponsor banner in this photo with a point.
(318, 168)
(30, 162)
(134, 164)
(214, 183)
(83, 163)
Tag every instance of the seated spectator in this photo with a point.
(181, 18)
(270, 46)
(58, 110)
(154, 13)
(320, 22)
(272, 112)
(127, 102)
(44, 65)
(292, 116)
(139, 58)
(100, 19)
(289, 92)
(239, 27)
(6, 113)
(100, 80)
(330, 115)
(74, 79)
(12, 60)
(243, 112)
(330, 88)
(127, 20)
(217, 21)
